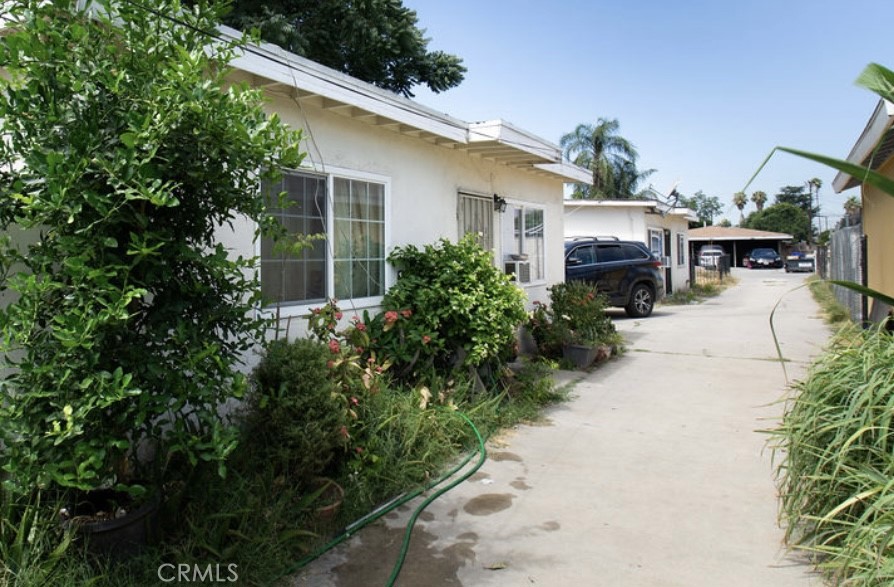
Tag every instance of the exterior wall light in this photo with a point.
(499, 204)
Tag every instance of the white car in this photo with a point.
(709, 255)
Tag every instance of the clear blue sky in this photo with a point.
(704, 89)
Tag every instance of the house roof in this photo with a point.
(270, 66)
(734, 233)
(649, 206)
(873, 148)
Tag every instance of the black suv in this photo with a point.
(626, 271)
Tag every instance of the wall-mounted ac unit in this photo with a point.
(519, 270)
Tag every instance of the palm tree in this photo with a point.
(739, 200)
(813, 187)
(852, 210)
(603, 151)
(627, 178)
(759, 198)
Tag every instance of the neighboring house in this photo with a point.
(875, 149)
(663, 229)
(737, 242)
(383, 171)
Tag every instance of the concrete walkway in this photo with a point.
(654, 475)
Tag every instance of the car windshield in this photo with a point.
(763, 253)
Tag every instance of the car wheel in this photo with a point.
(642, 300)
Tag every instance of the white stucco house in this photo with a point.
(664, 229)
(384, 171)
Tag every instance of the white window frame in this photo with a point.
(507, 217)
(681, 249)
(659, 232)
(296, 309)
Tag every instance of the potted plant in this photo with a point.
(574, 325)
(126, 321)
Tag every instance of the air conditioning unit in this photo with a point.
(519, 270)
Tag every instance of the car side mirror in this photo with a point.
(573, 261)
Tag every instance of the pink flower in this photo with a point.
(334, 347)
(390, 317)
(315, 310)
(426, 339)
(406, 313)
(330, 364)
(359, 450)
(361, 326)
(338, 315)
(354, 400)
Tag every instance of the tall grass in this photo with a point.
(834, 313)
(261, 519)
(837, 474)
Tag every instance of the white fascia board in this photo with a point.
(506, 134)
(879, 123)
(780, 237)
(686, 213)
(567, 171)
(278, 65)
(609, 203)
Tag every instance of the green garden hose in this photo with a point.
(399, 501)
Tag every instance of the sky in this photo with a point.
(704, 89)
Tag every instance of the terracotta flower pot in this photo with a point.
(331, 496)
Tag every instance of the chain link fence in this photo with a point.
(842, 259)
(710, 274)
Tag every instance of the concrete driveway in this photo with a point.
(655, 474)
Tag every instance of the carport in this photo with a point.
(736, 242)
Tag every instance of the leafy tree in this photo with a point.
(795, 195)
(783, 217)
(739, 200)
(705, 207)
(759, 198)
(373, 40)
(610, 157)
(122, 148)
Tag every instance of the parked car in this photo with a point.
(798, 261)
(709, 255)
(625, 271)
(764, 258)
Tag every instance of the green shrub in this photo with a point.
(296, 415)
(449, 308)
(126, 147)
(837, 474)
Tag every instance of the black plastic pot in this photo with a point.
(119, 537)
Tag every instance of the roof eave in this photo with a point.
(879, 123)
(494, 140)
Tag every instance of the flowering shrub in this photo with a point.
(464, 311)
(353, 365)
